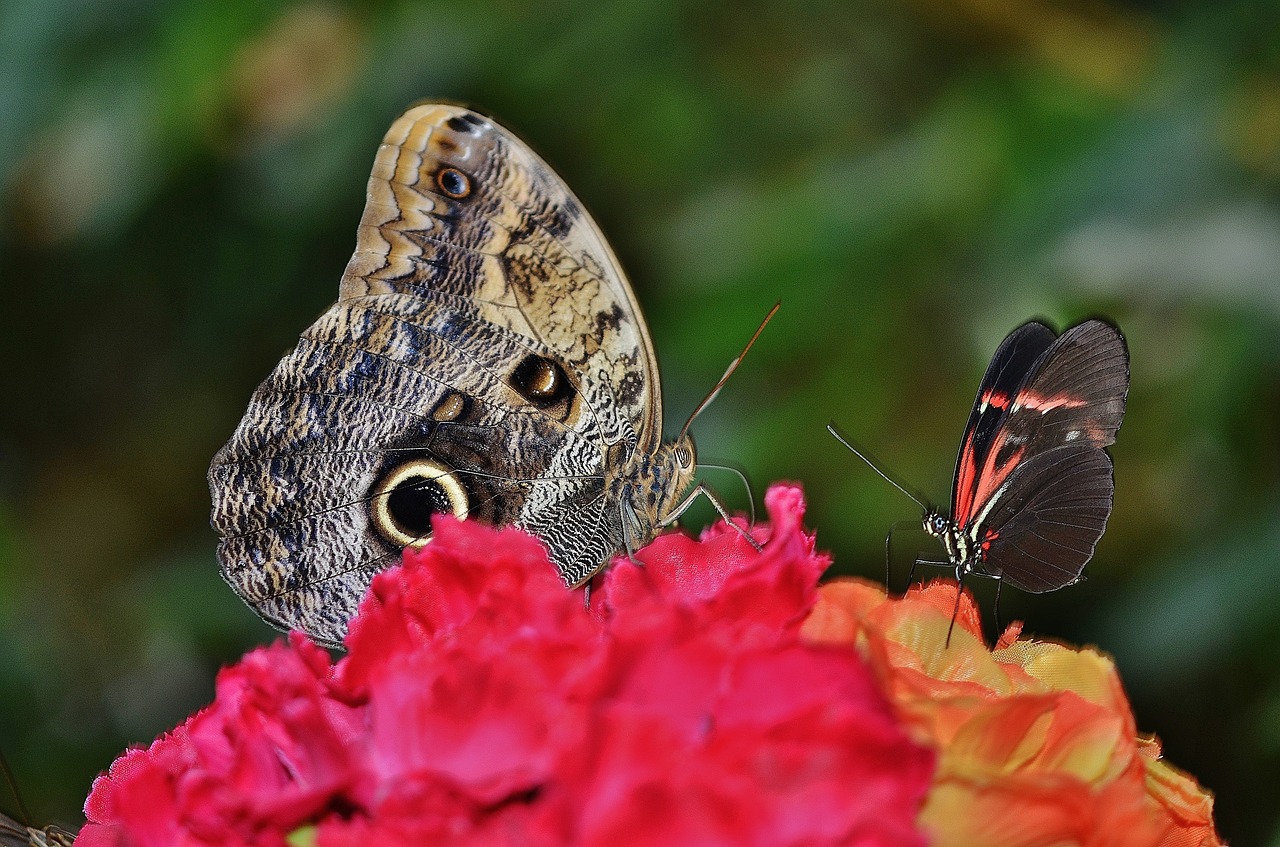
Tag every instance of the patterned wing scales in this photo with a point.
(1075, 395)
(483, 327)
(365, 391)
(516, 247)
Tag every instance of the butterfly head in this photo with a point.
(944, 529)
(675, 464)
(936, 523)
(649, 488)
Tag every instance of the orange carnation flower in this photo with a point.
(1036, 741)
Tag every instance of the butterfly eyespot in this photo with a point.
(453, 183)
(406, 498)
(541, 381)
(344, 504)
(450, 408)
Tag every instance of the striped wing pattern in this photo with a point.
(1009, 367)
(1033, 485)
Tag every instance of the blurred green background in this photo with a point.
(180, 184)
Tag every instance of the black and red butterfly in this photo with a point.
(1033, 483)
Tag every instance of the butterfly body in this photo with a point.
(649, 488)
(486, 358)
(1033, 482)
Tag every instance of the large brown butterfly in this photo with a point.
(486, 358)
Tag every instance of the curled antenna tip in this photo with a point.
(733, 366)
(751, 500)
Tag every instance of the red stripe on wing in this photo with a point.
(1028, 400)
(994, 399)
(973, 497)
(963, 489)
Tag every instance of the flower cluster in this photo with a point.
(715, 695)
(1036, 740)
(481, 703)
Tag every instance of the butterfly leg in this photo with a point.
(955, 613)
(999, 580)
(704, 491)
(911, 574)
(888, 538)
(629, 520)
(751, 499)
(887, 553)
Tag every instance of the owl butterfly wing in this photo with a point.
(459, 208)
(484, 358)
(12, 833)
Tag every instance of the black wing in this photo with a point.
(1073, 394)
(1014, 359)
(1046, 520)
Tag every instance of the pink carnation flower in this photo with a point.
(481, 703)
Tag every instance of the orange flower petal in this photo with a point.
(1037, 743)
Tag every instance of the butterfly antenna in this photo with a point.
(831, 428)
(733, 366)
(751, 499)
